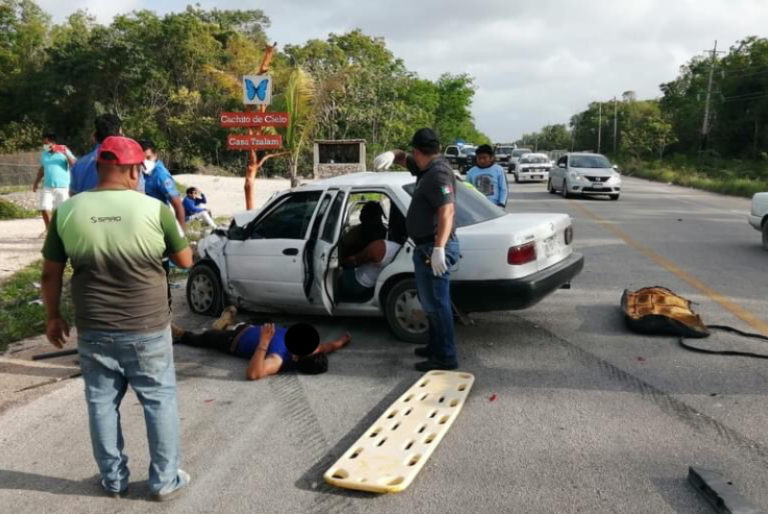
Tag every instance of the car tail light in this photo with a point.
(522, 254)
(569, 235)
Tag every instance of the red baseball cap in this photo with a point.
(127, 151)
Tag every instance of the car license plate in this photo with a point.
(597, 185)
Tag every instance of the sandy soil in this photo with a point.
(20, 241)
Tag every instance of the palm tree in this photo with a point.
(300, 101)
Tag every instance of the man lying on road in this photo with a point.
(270, 348)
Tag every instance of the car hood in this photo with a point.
(594, 172)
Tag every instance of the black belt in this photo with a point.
(424, 240)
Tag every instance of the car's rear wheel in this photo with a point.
(405, 315)
(204, 291)
(765, 234)
(565, 192)
(551, 188)
(614, 197)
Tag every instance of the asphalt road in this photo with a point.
(569, 411)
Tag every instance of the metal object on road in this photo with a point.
(389, 455)
(720, 493)
(53, 355)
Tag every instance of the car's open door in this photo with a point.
(322, 258)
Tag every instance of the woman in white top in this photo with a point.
(363, 269)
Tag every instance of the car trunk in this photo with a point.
(491, 240)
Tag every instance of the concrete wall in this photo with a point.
(19, 168)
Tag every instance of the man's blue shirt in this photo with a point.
(160, 184)
(85, 176)
(490, 181)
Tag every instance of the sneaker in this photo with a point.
(226, 319)
(431, 365)
(185, 480)
(422, 351)
(112, 494)
(176, 332)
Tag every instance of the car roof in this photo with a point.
(538, 154)
(366, 178)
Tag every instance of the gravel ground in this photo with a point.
(21, 241)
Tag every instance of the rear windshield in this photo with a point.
(471, 206)
(521, 151)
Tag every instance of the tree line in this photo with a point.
(168, 77)
(737, 125)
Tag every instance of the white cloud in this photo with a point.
(534, 62)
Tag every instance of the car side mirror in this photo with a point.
(615, 166)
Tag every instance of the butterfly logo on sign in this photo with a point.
(257, 89)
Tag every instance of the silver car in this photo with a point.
(586, 174)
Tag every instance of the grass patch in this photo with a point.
(11, 211)
(13, 189)
(21, 312)
(725, 176)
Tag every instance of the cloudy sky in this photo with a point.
(535, 62)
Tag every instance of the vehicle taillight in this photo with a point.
(569, 235)
(521, 254)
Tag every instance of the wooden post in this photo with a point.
(253, 163)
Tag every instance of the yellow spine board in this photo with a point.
(393, 450)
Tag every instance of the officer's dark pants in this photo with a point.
(435, 298)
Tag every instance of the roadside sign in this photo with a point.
(254, 142)
(254, 119)
(257, 89)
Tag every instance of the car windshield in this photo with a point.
(471, 206)
(534, 159)
(468, 150)
(504, 149)
(521, 151)
(589, 161)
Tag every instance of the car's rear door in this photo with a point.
(322, 256)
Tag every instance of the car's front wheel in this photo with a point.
(765, 234)
(204, 292)
(405, 315)
(565, 192)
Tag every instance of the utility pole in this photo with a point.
(615, 124)
(599, 124)
(705, 124)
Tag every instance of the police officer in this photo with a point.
(430, 224)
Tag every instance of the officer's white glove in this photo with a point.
(439, 266)
(383, 161)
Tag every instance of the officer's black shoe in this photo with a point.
(431, 365)
(422, 351)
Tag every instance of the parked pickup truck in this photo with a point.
(758, 216)
(461, 157)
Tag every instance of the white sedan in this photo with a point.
(532, 166)
(285, 257)
(586, 174)
(758, 216)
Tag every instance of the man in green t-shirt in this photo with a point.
(115, 239)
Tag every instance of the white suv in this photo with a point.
(758, 216)
(586, 174)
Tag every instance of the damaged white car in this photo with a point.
(286, 256)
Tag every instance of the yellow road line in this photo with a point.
(737, 310)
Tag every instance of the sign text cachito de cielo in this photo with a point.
(254, 119)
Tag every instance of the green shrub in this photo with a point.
(11, 211)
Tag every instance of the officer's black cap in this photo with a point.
(426, 140)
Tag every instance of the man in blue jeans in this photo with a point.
(430, 224)
(115, 238)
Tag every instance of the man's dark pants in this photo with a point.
(435, 297)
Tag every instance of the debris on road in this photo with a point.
(493, 397)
